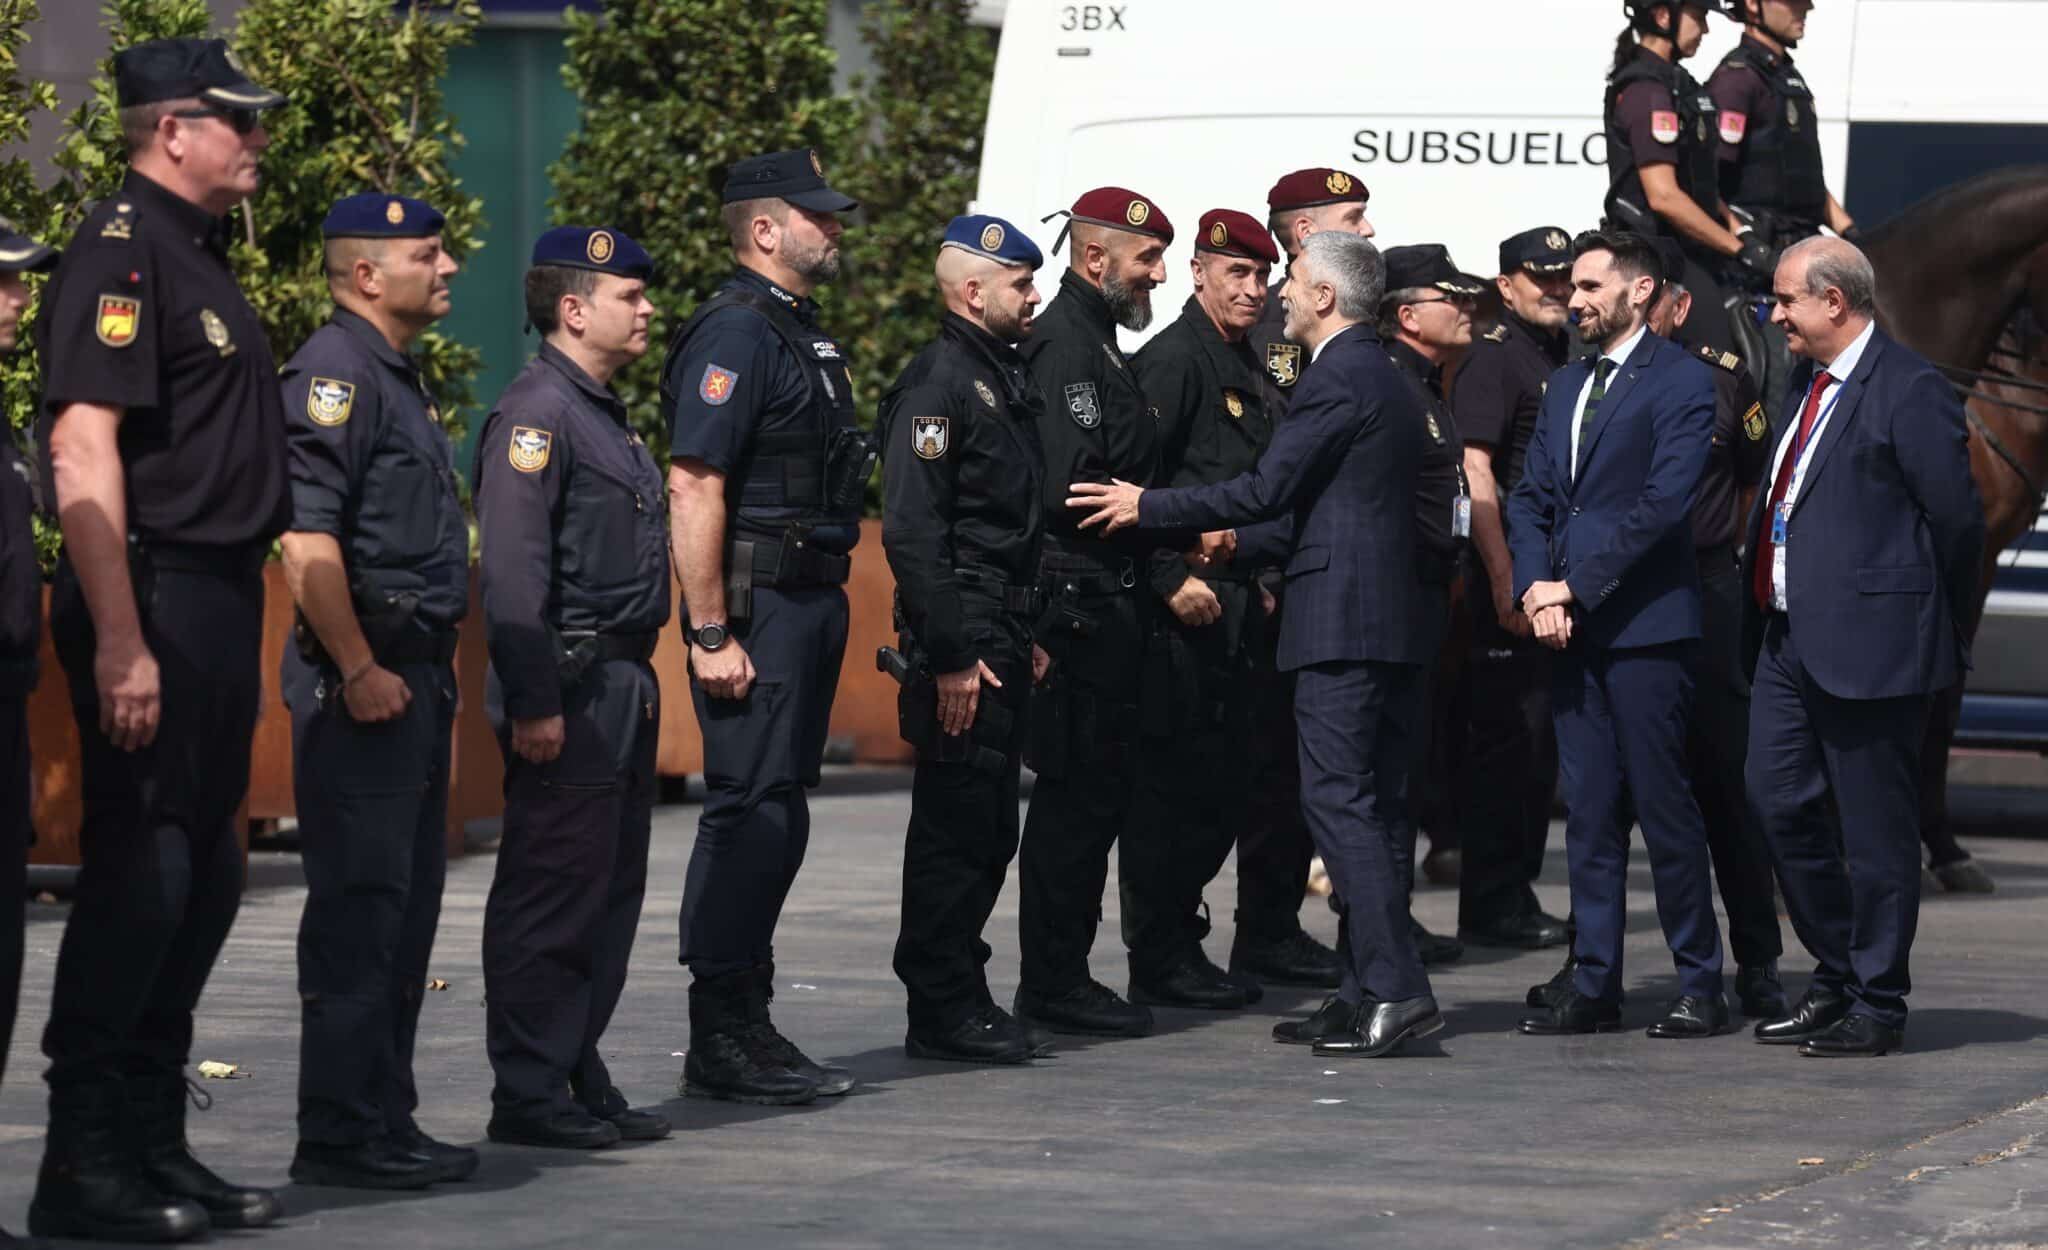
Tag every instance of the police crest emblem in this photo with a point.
(1792, 113)
(1556, 241)
(1233, 403)
(987, 396)
(1114, 358)
(817, 166)
(717, 384)
(216, 331)
(1219, 234)
(1338, 182)
(1137, 212)
(119, 319)
(1081, 404)
(529, 448)
(1436, 433)
(329, 401)
(929, 436)
(1283, 361)
(394, 212)
(1753, 424)
(991, 237)
(600, 247)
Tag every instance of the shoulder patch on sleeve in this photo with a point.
(329, 401)
(1733, 126)
(528, 449)
(929, 436)
(1753, 423)
(119, 320)
(716, 386)
(1664, 125)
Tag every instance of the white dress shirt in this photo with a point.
(1838, 371)
(1620, 357)
(1317, 350)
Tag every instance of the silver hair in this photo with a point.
(1840, 264)
(1352, 266)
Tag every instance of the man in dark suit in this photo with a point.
(1599, 527)
(1336, 492)
(1862, 566)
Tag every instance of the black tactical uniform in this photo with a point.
(1509, 759)
(371, 466)
(1770, 143)
(144, 315)
(1086, 716)
(572, 516)
(963, 484)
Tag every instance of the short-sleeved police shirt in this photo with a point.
(144, 315)
(371, 466)
(1499, 390)
(1742, 95)
(1648, 115)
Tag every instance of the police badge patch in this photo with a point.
(528, 450)
(1283, 361)
(987, 396)
(1233, 403)
(1753, 425)
(1081, 403)
(328, 401)
(119, 319)
(928, 436)
(717, 385)
(216, 331)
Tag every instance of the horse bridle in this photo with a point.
(1967, 383)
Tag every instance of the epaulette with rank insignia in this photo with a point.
(122, 224)
(1723, 360)
(1499, 334)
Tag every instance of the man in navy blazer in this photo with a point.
(1600, 531)
(1862, 565)
(1334, 498)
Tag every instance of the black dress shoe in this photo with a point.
(1191, 981)
(1760, 993)
(1529, 931)
(611, 1105)
(1573, 1012)
(1855, 1034)
(1552, 992)
(1296, 959)
(1444, 865)
(1817, 1012)
(457, 1163)
(1090, 1009)
(1434, 948)
(380, 1163)
(563, 1130)
(1333, 1017)
(1379, 1028)
(1693, 1015)
(990, 1035)
(1964, 876)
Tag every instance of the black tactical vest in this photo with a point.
(1697, 151)
(1780, 170)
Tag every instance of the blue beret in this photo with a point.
(373, 215)
(593, 247)
(994, 238)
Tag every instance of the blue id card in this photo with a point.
(1780, 516)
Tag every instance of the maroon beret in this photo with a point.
(1307, 188)
(1231, 233)
(1120, 209)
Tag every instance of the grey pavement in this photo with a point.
(1207, 1134)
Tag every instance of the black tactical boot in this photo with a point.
(830, 1079)
(728, 1057)
(156, 1107)
(91, 1186)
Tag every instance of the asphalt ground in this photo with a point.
(1206, 1134)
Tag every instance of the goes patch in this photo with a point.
(529, 448)
(119, 320)
(328, 401)
(929, 436)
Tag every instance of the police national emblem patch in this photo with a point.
(529, 448)
(928, 436)
(329, 401)
(1081, 404)
(717, 385)
(1753, 425)
(1233, 403)
(1283, 361)
(119, 320)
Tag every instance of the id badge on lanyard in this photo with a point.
(1780, 517)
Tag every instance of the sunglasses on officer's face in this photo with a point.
(243, 120)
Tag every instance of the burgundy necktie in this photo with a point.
(1766, 550)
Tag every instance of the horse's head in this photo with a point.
(1954, 268)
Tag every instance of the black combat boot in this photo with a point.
(156, 1110)
(830, 1079)
(729, 1058)
(91, 1185)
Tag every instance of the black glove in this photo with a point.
(1757, 257)
(1853, 235)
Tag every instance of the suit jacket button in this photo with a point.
(1575, 512)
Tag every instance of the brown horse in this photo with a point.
(1962, 278)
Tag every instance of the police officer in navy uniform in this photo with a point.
(572, 522)
(378, 560)
(1509, 755)
(1771, 167)
(1202, 377)
(166, 451)
(21, 632)
(963, 511)
(769, 468)
(1663, 154)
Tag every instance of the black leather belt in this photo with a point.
(1069, 572)
(1019, 600)
(419, 647)
(789, 563)
(636, 647)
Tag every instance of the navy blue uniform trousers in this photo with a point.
(1622, 717)
(1357, 722)
(1857, 919)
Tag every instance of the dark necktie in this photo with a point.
(1601, 372)
(1766, 550)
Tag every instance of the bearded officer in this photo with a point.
(1194, 790)
(963, 510)
(1509, 762)
(768, 474)
(575, 587)
(1086, 716)
(166, 447)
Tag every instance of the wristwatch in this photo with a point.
(710, 635)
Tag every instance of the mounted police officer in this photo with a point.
(1194, 787)
(1086, 716)
(166, 444)
(1663, 153)
(21, 632)
(575, 589)
(963, 510)
(768, 471)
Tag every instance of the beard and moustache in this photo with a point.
(1010, 327)
(818, 266)
(1606, 319)
(1130, 307)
